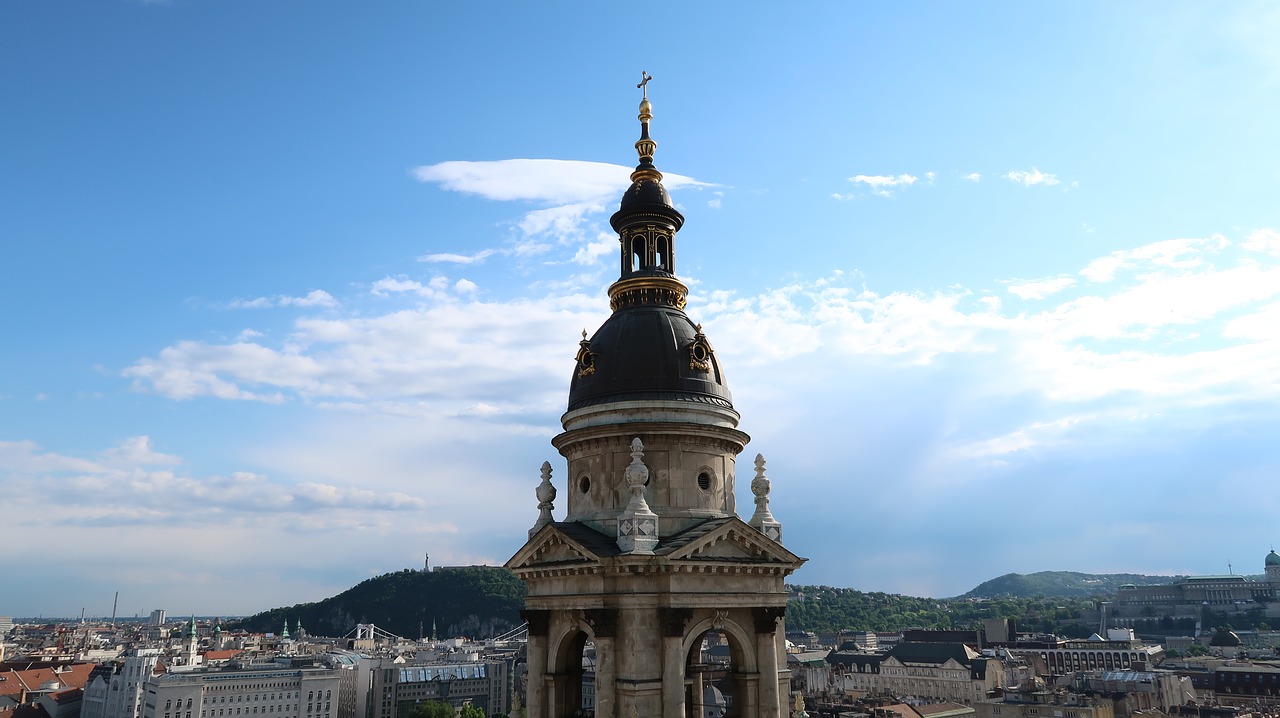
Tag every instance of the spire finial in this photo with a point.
(645, 147)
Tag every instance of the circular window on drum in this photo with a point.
(706, 479)
(584, 484)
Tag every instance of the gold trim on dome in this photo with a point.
(586, 358)
(646, 174)
(645, 148)
(700, 351)
(662, 291)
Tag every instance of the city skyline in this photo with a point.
(293, 292)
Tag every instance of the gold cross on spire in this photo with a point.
(645, 77)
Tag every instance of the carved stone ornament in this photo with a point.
(763, 519)
(546, 493)
(637, 525)
(719, 620)
(603, 621)
(539, 621)
(673, 620)
(767, 617)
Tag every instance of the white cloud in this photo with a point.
(476, 258)
(136, 450)
(973, 177)
(1039, 288)
(436, 288)
(1032, 178)
(576, 194)
(882, 185)
(1175, 253)
(1263, 240)
(314, 298)
(124, 487)
(557, 182)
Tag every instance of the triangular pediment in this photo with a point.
(551, 547)
(735, 541)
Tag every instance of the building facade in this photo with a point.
(925, 672)
(1217, 591)
(117, 691)
(268, 691)
(397, 688)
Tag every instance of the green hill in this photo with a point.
(485, 601)
(1061, 583)
(476, 601)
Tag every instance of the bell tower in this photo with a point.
(652, 561)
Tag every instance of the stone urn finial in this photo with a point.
(638, 525)
(546, 493)
(763, 519)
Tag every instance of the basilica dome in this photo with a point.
(647, 352)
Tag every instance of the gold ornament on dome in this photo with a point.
(586, 358)
(700, 351)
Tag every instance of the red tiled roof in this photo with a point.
(75, 675)
(221, 655)
(901, 709)
(943, 709)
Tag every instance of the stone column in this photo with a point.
(672, 622)
(536, 651)
(604, 624)
(766, 623)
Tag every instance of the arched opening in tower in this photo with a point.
(714, 677)
(573, 678)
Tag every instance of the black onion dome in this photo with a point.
(646, 352)
(646, 200)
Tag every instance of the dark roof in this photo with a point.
(603, 545)
(642, 353)
(841, 658)
(939, 653)
(597, 543)
(1225, 638)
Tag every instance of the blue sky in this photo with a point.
(293, 289)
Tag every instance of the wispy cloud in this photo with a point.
(883, 185)
(476, 258)
(973, 177)
(1186, 253)
(1033, 178)
(575, 195)
(314, 298)
(1039, 288)
(131, 483)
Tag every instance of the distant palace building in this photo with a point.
(1213, 590)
